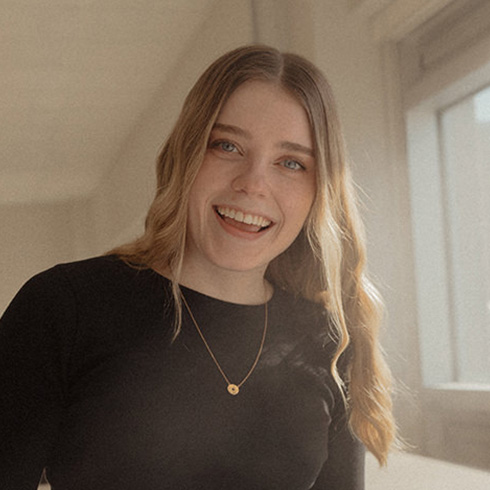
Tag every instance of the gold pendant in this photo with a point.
(233, 389)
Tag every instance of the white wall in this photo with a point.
(34, 237)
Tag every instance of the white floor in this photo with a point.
(411, 472)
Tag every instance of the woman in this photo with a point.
(233, 345)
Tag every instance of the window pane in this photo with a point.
(465, 145)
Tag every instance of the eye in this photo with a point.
(292, 164)
(225, 146)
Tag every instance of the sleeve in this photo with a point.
(34, 347)
(344, 468)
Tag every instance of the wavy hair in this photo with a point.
(327, 261)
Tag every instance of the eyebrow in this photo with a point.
(228, 128)
(286, 145)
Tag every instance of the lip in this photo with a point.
(245, 212)
(234, 231)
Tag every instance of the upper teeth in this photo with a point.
(246, 218)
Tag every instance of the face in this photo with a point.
(256, 184)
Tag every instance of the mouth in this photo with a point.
(243, 221)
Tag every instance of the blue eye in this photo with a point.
(226, 146)
(292, 165)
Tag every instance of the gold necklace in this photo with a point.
(233, 389)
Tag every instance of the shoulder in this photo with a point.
(100, 281)
(44, 312)
(103, 274)
(307, 339)
(304, 327)
(303, 318)
(93, 270)
(89, 270)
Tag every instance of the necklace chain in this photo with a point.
(232, 388)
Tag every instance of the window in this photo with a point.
(449, 163)
(464, 132)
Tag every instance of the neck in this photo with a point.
(248, 287)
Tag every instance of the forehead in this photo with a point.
(266, 108)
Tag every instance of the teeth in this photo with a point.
(248, 219)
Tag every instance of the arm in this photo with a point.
(33, 344)
(344, 468)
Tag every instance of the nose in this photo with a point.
(252, 179)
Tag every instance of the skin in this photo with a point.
(259, 162)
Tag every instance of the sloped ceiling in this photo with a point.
(74, 77)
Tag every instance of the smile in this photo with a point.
(255, 222)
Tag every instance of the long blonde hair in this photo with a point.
(327, 261)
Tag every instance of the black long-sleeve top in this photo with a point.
(93, 388)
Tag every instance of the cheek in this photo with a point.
(210, 178)
(201, 189)
(299, 203)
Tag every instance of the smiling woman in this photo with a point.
(252, 171)
(234, 344)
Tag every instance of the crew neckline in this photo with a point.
(194, 292)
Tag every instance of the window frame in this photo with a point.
(449, 411)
